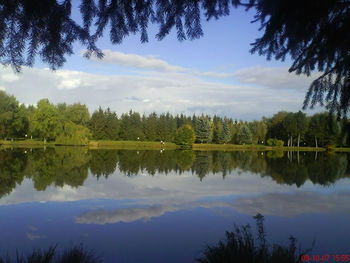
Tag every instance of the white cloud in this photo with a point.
(9, 76)
(136, 61)
(275, 78)
(213, 74)
(176, 92)
(69, 79)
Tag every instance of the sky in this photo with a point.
(215, 74)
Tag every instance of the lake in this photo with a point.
(165, 206)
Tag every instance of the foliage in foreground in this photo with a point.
(74, 255)
(241, 246)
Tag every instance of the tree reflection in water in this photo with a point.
(61, 166)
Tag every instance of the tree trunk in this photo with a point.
(316, 142)
(298, 139)
(288, 142)
(291, 141)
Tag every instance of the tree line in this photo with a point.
(73, 125)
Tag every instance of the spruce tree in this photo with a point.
(226, 133)
(202, 129)
(244, 136)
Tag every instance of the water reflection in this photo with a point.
(177, 199)
(70, 165)
(126, 215)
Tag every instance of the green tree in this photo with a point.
(202, 127)
(112, 126)
(166, 127)
(131, 127)
(8, 107)
(45, 123)
(78, 114)
(226, 133)
(302, 124)
(150, 126)
(97, 125)
(290, 126)
(324, 129)
(218, 128)
(244, 136)
(182, 120)
(20, 122)
(185, 136)
(275, 127)
(259, 130)
(73, 134)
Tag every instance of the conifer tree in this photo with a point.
(203, 129)
(244, 136)
(226, 133)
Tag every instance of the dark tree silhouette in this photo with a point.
(315, 34)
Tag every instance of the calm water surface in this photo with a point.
(153, 206)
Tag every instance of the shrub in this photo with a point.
(76, 254)
(275, 142)
(241, 246)
(185, 136)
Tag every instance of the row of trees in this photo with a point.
(320, 129)
(72, 124)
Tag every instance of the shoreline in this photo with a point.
(145, 145)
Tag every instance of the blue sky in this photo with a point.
(215, 74)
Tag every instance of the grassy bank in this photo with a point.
(25, 143)
(252, 147)
(94, 144)
(132, 145)
(145, 145)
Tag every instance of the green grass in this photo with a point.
(25, 143)
(132, 145)
(227, 147)
(253, 147)
(136, 145)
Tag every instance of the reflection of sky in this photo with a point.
(169, 218)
